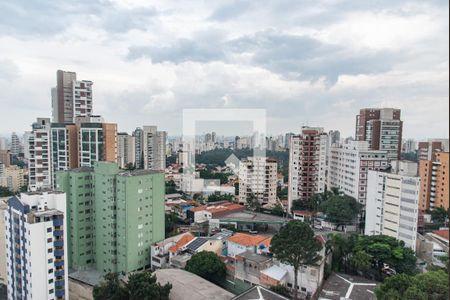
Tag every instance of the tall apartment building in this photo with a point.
(58, 147)
(12, 177)
(71, 98)
(39, 163)
(427, 150)
(409, 146)
(3, 268)
(382, 128)
(434, 190)
(36, 240)
(150, 146)
(125, 149)
(115, 216)
(258, 178)
(5, 157)
(307, 164)
(15, 144)
(349, 164)
(138, 148)
(393, 203)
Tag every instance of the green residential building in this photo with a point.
(126, 216)
(78, 186)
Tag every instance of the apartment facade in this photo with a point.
(115, 231)
(393, 200)
(258, 178)
(39, 163)
(57, 147)
(382, 128)
(434, 190)
(349, 164)
(78, 186)
(12, 177)
(307, 164)
(71, 98)
(427, 150)
(36, 240)
(126, 151)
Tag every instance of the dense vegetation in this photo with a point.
(426, 286)
(207, 265)
(369, 255)
(140, 286)
(218, 197)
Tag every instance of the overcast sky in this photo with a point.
(307, 62)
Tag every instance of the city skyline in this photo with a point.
(301, 64)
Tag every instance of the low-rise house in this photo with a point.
(431, 247)
(303, 215)
(205, 213)
(161, 252)
(248, 266)
(242, 242)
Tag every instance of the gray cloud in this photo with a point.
(292, 56)
(48, 17)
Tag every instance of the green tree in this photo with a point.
(340, 209)
(361, 261)
(281, 290)
(207, 265)
(130, 166)
(253, 202)
(427, 286)
(140, 286)
(296, 245)
(439, 215)
(278, 210)
(341, 247)
(171, 220)
(218, 197)
(387, 250)
(110, 288)
(171, 187)
(143, 286)
(5, 192)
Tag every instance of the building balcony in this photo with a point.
(58, 233)
(58, 243)
(58, 222)
(59, 263)
(59, 293)
(59, 283)
(59, 252)
(59, 273)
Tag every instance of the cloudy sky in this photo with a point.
(306, 62)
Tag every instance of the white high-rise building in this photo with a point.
(154, 148)
(15, 144)
(36, 240)
(258, 178)
(348, 165)
(392, 205)
(126, 149)
(307, 164)
(39, 163)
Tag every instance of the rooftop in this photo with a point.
(186, 285)
(443, 233)
(249, 255)
(248, 239)
(184, 240)
(341, 286)
(219, 208)
(259, 293)
(90, 277)
(275, 272)
(138, 173)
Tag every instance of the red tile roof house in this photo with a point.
(204, 213)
